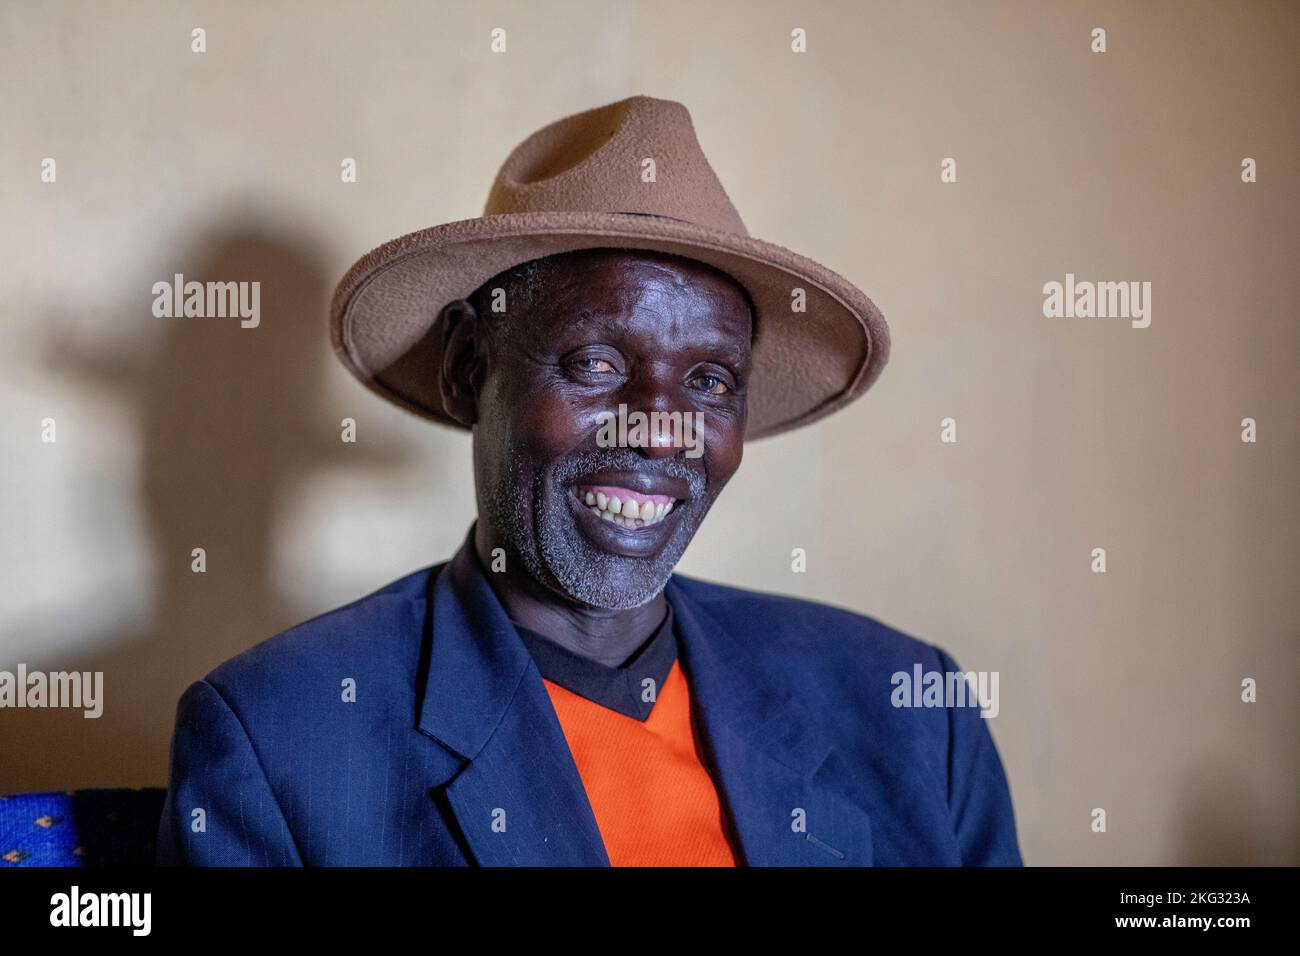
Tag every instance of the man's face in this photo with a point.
(649, 332)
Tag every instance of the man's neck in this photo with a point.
(600, 634)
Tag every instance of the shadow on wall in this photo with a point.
(232, 422)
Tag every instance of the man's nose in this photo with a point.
(651, 397)
(661, 442)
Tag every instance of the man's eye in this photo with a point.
(713, 384)
(594, 365)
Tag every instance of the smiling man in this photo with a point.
(555, 694)
(595, 528)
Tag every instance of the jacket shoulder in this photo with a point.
(826, 631)
(931, 773)
(357, 637)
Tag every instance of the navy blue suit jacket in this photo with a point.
(412, 728)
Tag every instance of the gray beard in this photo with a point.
(559, 556)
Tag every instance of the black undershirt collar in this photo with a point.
(624, 688)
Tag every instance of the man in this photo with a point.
(554, 694)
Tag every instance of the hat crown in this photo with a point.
(639, 155)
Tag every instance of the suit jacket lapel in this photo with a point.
(519, 801)
(766, 749)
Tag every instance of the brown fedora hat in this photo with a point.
(578, 184)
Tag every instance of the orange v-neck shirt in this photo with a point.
(653, 799)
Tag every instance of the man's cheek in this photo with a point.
(722, 455)
(561, 424)
(534, 421)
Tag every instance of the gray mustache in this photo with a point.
(623, 459)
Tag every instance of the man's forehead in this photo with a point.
(699, 322)
(612, 291)
(606, 286)
(696, 329)
(638, 270)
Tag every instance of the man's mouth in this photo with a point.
(625, 507)
(629, 511)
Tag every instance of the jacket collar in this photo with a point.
(476, 659)
(519, 799)
(767, 749)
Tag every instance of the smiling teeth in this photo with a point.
(627, 514)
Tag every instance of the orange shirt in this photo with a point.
(652, 797)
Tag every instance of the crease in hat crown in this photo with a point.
(595, 161)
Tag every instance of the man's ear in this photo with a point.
(461, 375)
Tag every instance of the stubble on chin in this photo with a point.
(538, 526)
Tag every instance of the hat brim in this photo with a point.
(806, 364)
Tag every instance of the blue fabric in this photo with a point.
(412, 727)
(104, 827)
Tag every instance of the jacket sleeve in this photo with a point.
(979, 798)
(219, 810)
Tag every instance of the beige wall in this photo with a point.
(1118, 690)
